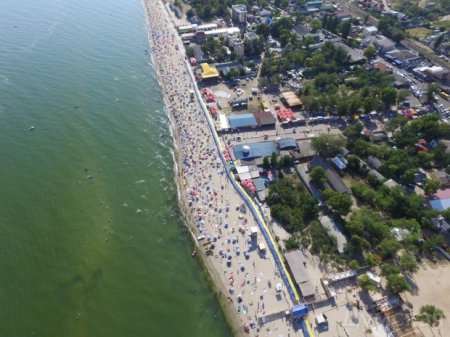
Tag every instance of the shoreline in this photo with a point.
(242, 283)
(209, 271)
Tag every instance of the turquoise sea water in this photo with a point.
(91, 240)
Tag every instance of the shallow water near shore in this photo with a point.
(92, 243)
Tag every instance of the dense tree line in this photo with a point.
(291, 204)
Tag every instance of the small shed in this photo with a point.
(262, 247)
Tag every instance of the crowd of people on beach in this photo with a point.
(249, 277)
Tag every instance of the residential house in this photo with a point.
(381, 42)
(374, 163)
(369, 31)
(440, 201)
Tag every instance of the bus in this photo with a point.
(444, 95)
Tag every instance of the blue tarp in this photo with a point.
(287, 144)
(299, 310)
(242, 121)
(254, 150)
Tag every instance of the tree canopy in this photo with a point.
(291, 205)
(328, 144)
(430, 315)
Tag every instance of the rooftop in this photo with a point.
(288, 144)
(242, 121)
(209, 71)
(403, 55)
(254, 150)
(264, 118)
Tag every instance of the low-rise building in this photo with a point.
(381, 42)
(369, 31)
(404, 58)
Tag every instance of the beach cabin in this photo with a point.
(262, 248)
(321, 321)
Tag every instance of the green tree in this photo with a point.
(389, 269)
(396, 284)
(274, 160)
(431, 90)
(318, 176)
(345, 28)
(402, 94)
(408, 263)
(354, 265)
(431, 186)
(388, 96)
(353, 162)
(286, 161)
(370, 52)
(315, 25)
(370, 259)
(338, 202)
(190, 13)
(365, 283)
(353, 132)
(370, 104)
(430, 315)
(266, 163)
(388, 247)
(190, 51)
(328, 144)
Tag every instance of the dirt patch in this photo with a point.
(433, 286)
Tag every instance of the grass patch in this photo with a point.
(443, 23)
(419, 33)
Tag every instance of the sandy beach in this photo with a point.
(245, 280)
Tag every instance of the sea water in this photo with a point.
(91, 239)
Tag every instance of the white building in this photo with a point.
(371, 30)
